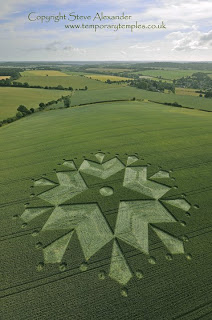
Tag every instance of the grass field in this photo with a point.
(74, 81)
(105, 77)
(11, 98)
(109, 70)
(72, 73)
(43, 73)
(187, 92)
(130, 92)
(177, 287)
(168, 74)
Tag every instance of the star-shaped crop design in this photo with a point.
(90, 223)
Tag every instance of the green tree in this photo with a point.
(208, 94)
(41, 106)
(60, 87)
(66, 101)
(19, 115)
(23, 110)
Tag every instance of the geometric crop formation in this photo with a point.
(134, 217)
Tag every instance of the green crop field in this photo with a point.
(103, 70)
(74, 81)
(130, 92)
(144, 251)
(11, 98)
(187, 92)
(169, 74)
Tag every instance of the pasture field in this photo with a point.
(105, 77)
(130, 92)
(72, 73)
(186, 92)
(11, 98)
(109, 70)
(169, 74)
(74, 81)
(163, 285)
(43, 73)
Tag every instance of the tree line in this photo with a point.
(153, 85)
(13, 73)
(198, 80)
(23, 111)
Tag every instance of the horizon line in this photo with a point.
(119, 61)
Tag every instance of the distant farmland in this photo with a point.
(4, 77)
(106, 77)
(168, 74)
(156, 79)
(130, 92)
(117, 70)
(43, 73)
(74, 81)
(187, 92)
(11, 98)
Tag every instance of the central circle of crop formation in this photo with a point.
(106, 191)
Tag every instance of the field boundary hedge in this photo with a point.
(178, 106)
(106, 101)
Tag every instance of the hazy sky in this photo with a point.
(187, 36)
